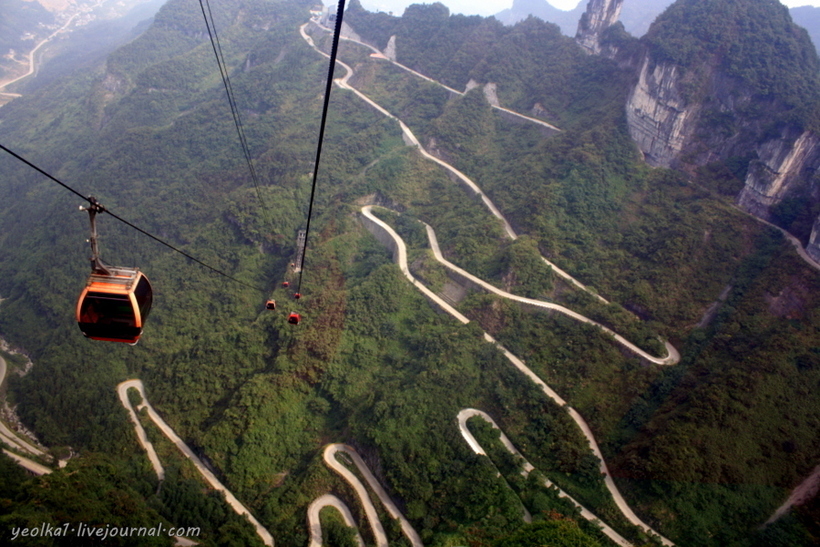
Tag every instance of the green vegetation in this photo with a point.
(335, 531)
(754, 42)
(558, 533)
(705, 450)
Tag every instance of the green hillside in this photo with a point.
(703, 450)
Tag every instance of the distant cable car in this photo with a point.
(297, 296)
(116, 301)
(294, 318)
(285, 284)
(270, 305)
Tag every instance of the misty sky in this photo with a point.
(491, 7)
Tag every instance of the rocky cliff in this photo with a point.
(599, 15)
(701, 98)
(660, 120)
(785, 166)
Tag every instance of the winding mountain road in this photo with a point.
(671, 358)
(32, 63)
(315, 524)
(387, 236)
(411, 140)
(210, 478)
(15, 441)
(468, 413)
(378, 531)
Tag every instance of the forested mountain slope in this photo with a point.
(704, 450)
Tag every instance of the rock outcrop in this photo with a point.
(390, 50)
(784, 167)
(674, 132)
(659, 119)
(600, 15)
(813, 248)
(688, 110)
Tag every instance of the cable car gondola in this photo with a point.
(294, 318)
(113, 306)
(270, 305)
(116, 301)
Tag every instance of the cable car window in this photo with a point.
(107, 309)
(145, 297)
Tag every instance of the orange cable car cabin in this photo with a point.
(113, 307)
(294, 318)
(270, 305)
(115, 302)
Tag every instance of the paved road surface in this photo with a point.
(315, 523)
(468, 413)
(210, 478)
(378, 531)
(400, 256)
(411, 140)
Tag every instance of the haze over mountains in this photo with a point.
(636, 15)
(78, 31)
(664, 145)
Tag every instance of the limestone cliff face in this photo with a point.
(813, 248)
(784, 167)
(390, 50)
(600, 15)
(672, 131)
(660, 122)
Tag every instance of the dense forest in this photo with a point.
(703, 450)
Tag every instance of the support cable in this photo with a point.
(102, 209)
(334, 49)
(207, 14)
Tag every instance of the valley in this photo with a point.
(458, 233)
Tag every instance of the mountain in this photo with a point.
(636, 15)
(703, 450)
(19, 21)
(808, 17)
(732, 82)
(67, 33)
(521, 9)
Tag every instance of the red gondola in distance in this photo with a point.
(285, 284)
(270, 304)
(294, 318)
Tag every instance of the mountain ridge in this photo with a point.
(371, 363)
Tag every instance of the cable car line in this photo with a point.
(237, 119)
(337, 32)
(100, 208)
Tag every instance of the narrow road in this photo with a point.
(209, 477)
(30, 465)
(801, 494)
(468, 413)
(378, 531)
(142, 437)
(315, 523)
(406, 68)
(671, 358)
(411, 140)
(387, 236)
(32, 65)
(8, 436)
